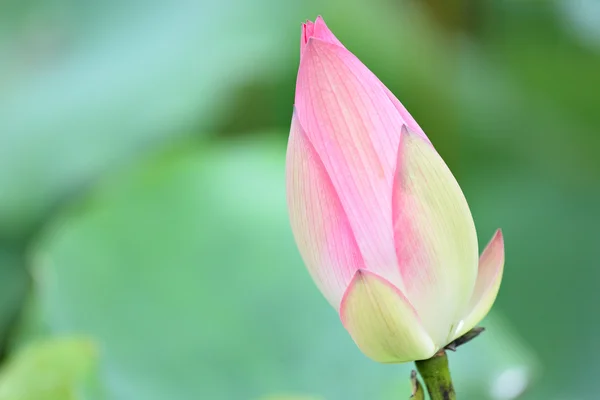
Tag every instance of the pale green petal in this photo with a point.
(382, 322)
(434, 233)
(491, 266)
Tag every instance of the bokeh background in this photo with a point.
(145, 251)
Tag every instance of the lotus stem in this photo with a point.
(436, 376)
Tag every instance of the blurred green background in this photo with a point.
(145, 251)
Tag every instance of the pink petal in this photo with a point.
(382, 321)
(435, 237)
(355, 129)
(489, 276)
(317, 30)
(318, 220)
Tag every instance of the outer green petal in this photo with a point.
(382, 321)
(435, 238)
(491, 266)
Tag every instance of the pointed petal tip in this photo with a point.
(406, 131)
(318, 30)
(493, 250)
(499, 236)
(320, 24)
(489, 278)
(497, 242)
(308, 29)
(363, 276)
(359, 276)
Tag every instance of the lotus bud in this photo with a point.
(380, 221)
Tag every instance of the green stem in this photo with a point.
(436, 375)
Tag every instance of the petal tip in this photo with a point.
(359, 276)
(318, 30)
(404, 130)
(499, 236)
(489, 279)
(495, 246)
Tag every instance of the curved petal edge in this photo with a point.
(319, 223)
(382, 321)
(435, 238)
(491, 267)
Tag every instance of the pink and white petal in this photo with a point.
(382, 321)
(319, 223)
(435, 237)
(491, 267)
(356, 130)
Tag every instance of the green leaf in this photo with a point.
(87, 87)
(13, 285)
(53, 369)
(186, 272)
